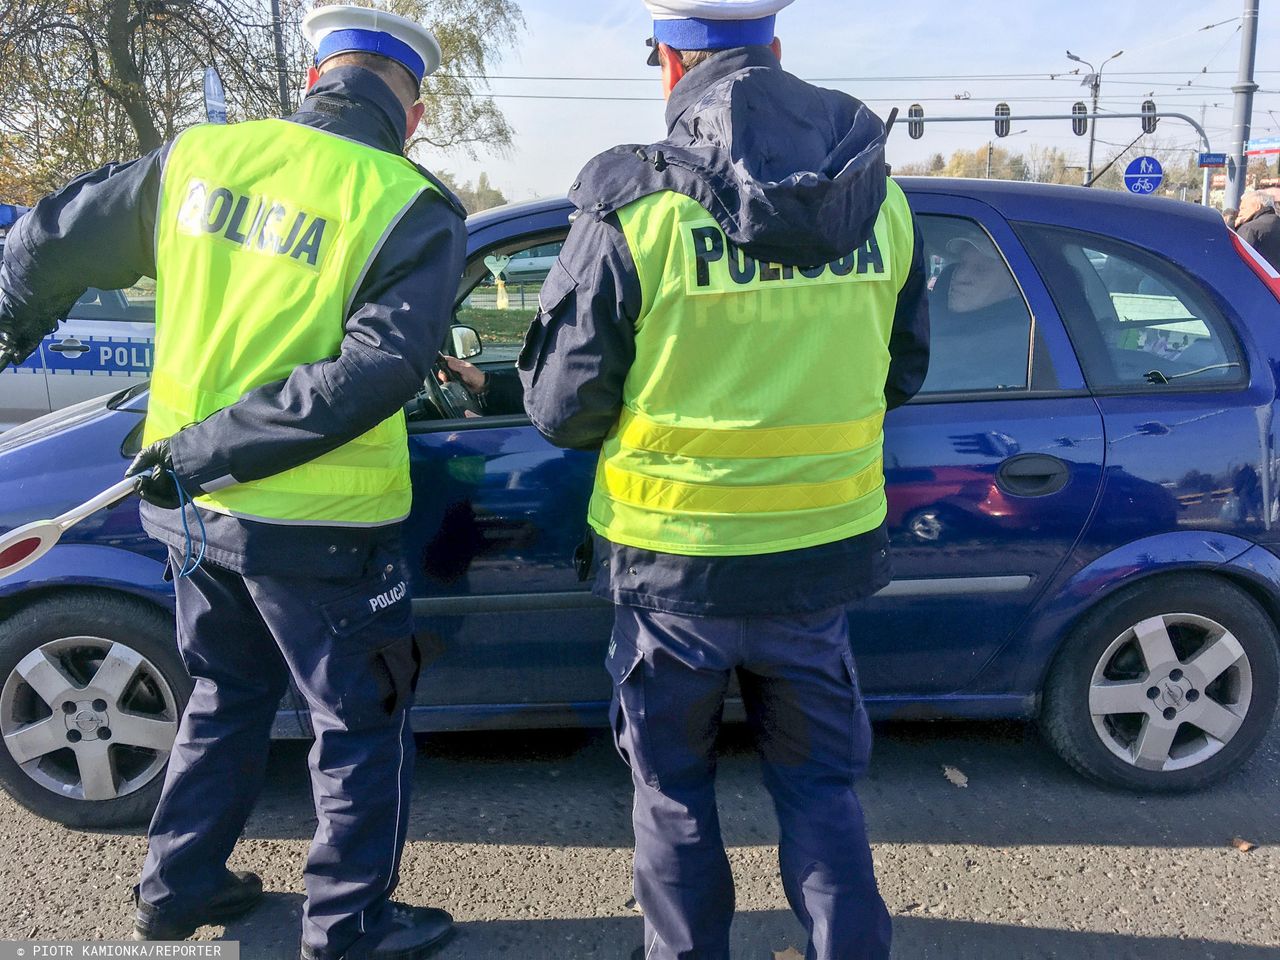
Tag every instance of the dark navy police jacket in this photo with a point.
(99, 231)
(794, 174)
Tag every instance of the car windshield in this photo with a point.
(499, 292)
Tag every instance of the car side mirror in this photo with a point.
(466, 342)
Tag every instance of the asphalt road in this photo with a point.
(526, 839)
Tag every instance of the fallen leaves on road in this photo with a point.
(791, 953)
(955, 777)
(1243, 845)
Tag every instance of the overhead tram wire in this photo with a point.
(947, 78)
(1188, 97)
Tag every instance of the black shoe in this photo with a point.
(238, 898)
(414, 933)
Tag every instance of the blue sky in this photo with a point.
(873, 46)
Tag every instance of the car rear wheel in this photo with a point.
(1166, 687)
(91, 692)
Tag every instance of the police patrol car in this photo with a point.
(104, 345)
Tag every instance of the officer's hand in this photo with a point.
(155, 465)
(473, 378)
(10, 351)
(19, 336)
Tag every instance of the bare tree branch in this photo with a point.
(90, 81)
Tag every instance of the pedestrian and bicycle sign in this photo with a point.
(1144, 176)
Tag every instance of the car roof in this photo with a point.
(1033, 201)
(516, 211)
(1040, 202)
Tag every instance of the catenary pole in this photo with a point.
(282, 77)
(1244, 89)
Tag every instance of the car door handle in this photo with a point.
(70, 345)
(1033, 475)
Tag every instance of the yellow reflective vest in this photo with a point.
(753, 414)
(264, 233)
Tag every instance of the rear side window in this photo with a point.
(980, 327)
(136, 304)
(1137, 320)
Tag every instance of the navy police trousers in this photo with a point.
(348, 645)
(800, 689)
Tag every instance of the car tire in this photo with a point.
(1129, 675)
(118, 722)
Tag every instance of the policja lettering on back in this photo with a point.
(708, 245)
(734, 311)
(217, 211)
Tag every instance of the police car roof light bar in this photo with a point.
(24, 546)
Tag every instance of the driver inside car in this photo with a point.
(977, 303)
(497, 396)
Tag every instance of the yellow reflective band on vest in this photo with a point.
(264, 233)
(753, 413)
(640, 433)
(671, 495)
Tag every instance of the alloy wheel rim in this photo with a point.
(1170, 692)
(88, 718)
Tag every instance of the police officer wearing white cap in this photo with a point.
(305, 276)
(735, 310)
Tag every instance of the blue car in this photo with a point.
(1083, 506)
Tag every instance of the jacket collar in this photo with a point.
(707, 74)
(358, 105)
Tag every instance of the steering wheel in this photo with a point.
(451, 400)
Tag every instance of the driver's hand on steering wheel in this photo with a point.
(473, 378)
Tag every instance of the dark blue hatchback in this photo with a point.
(1083, 506)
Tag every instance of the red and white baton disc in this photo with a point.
(24, 546)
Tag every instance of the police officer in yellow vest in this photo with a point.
(733, 313)
(305, 273)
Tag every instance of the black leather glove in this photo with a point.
(9, 353)
(18, 338)
(155, 465)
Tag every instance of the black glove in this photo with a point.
(9, 351)
(18, 339)
(155, 466)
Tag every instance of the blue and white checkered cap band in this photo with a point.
(695, 33)
(371, 41)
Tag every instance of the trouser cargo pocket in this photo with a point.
(627, 711)
(371, 668)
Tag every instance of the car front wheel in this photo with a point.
(91, 692)
(1167, 686)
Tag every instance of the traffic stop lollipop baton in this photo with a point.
(27, 544)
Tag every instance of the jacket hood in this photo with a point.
(357, 104)
(793, 173)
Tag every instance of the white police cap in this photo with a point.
(713, 24)
(345, 28)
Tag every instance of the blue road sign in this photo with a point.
(215, 98)
(1210, 160)
(1144, 176)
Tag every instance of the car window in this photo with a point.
(980, 326)
(501, 288)
(136, 304)
(1137, 320)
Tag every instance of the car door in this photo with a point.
(993, 470)
(498, 514)
(1188, 416)
(24, 394)
(104, 345)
